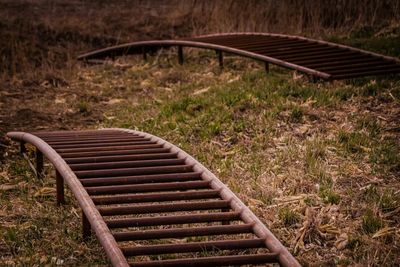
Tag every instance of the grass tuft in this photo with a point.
(329, 196)
(288, 216)
(371, 222)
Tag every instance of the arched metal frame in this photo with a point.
(211, 42)
(100, 228)
(89, 209)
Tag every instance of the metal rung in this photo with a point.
(137, 188)
(176, 219)
(211, 261)
(126, 164)
(166, 155)
(156, 197)
(194, 247)
(183, 232)
(142, 179)
(171, 207)
(134, 171)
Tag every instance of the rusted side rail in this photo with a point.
(321, 59)
(139, 194)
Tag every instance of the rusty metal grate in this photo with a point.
(139, 194)
(321, 59)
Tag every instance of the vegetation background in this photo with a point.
(317, 162)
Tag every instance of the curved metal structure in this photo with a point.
(321, 59)
(108, 170)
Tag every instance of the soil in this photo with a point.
(38, 108)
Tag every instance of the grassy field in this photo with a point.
(319, 163)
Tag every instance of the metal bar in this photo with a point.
(322, 59)
(113, 152)
(156, 197)
(302, 47)
(86, 230)
(126, 164)
(212, 261)
(97, 141)
(292, 45)
(77, 136)
(366, 73)
(220, 58)
(356, 65)
(300, 51)
(121, 189)
(171, 207)
(94, 142)
(144, 53)
(249, 45)
(180, 55)
(81, 160)
(235, 41)
(355, 69)
(266, 67)
(341, 62)
(324, 55)
(277, 47)
(22, 148)
(96, 138)
(193, 247)
(102, 144)
(183, 232)
(170, 220)
(142, 179)
(60, 189)
(106, 148)
(134, 171)
(75, 132)
(39, 163)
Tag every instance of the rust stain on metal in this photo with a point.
(123, 179)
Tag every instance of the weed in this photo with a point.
(329, 196)
(371, 125)
(84, 107)
(343, 94)
(288, 216)
(315, 151)
(354, 242)
(353, 142)
(310, 201)
(296, 114)
(371, 194)
(371, 89)
(389, 201)
(386, 154)
(371, 222)
(18, 168)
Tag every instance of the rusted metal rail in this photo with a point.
(139, 193)
(317, 58)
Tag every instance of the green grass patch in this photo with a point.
(353, 142)
(288, 216)
(329, 196)
(371, 222)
